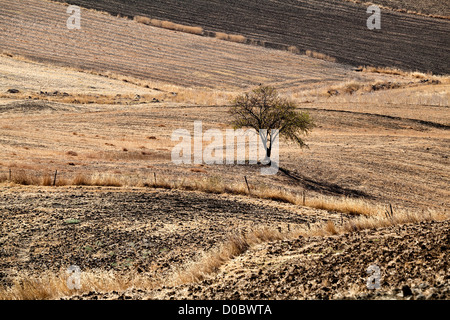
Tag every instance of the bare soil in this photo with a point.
(387, 146)
(413, 260)
(151, 231)
(110, 44)
(336, 28)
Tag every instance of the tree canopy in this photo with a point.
(264, 109)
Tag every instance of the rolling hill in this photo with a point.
(336, 28)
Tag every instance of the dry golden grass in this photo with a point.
(169, 25)
(320, 56)
(399, 72)
(347, 205)
(48, 285)
(53, 286)
(231, 37)
(209, 184)
(23, 177)
(211, 261)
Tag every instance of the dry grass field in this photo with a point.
(141, 227)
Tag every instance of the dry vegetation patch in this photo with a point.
(169, 25)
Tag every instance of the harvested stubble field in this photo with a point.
(122, 46)
(144, 236)
(333, 27)
(394, 153)
(140, 226)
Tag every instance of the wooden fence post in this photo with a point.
(248, 187)
(54, 179)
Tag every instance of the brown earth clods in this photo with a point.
(389, 153)
(413, 261)
(149, 231)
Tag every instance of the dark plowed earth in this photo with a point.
(150, 231)
(332, 27)
(37, 29)
(413, 261)
(433, 7)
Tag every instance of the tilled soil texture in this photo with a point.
(429, 7)
(336, 28)
(121, 230)
(412, 260)
(37, 29)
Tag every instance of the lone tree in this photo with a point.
(263, 109)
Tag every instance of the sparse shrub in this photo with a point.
(293, 49)
(47, 180)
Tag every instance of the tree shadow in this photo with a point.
(324, 187)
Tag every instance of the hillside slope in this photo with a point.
(412, 261)
(336, 28)
(126, 47)
(426, 7)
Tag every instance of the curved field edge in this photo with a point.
(405, 41)
(145, 52)
(98, 282)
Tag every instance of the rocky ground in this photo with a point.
(145, 230)
(413, 261)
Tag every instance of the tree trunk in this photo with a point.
(268, 152)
